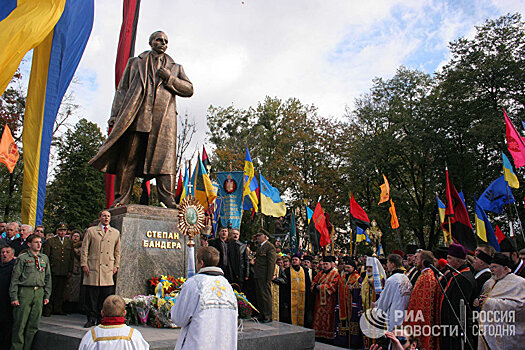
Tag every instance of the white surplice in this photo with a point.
(206, 309)
(118, 337)
(395, 297)
(503, 296)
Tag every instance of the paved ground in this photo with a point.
(321, 346)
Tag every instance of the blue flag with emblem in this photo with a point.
(230, 191)
(496, 196)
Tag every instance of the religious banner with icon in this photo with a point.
(230, 192)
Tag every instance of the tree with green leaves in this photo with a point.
(76, 194)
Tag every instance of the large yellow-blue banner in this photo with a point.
(55, 61)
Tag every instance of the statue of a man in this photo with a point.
(143, 141)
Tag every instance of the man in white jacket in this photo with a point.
(206, 308)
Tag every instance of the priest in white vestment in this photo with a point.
(394, 298)
(502, 302)
(206, 308)
(112, 333)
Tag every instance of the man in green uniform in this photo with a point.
(30, 288)
(264, 274)
(59, 250)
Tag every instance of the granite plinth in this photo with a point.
(151, 245)
(67, 331)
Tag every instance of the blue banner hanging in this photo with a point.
(230, 192)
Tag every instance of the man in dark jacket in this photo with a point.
(240, 266)
(6, 309)
(59, 250)
(264, 274)
(223, 246)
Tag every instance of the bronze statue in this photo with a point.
(143, 141)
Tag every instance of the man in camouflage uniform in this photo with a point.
(30, 288)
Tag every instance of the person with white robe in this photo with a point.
(504, 292)
(206, 308)
(394, 298)
(112, 333)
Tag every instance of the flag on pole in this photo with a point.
(125, 50)
(385, 191)
(23, 26)
(203, 189)
(358, 216)
(205, 159)
(499, 234)
(309, 213)
(456, 212)
(185, 189)
(496, 196)
(510, 176)
(294, 241)
(484, 229)
(441, 211)
(180, 186)
(271, 202)
(361, 236)
(320, 224)
(55, 61)
(515, 143)
(250, 183)
(394, 222)
(8, 150)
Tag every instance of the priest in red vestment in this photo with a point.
(423, 307)
(324, 286)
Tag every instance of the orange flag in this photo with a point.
(385, 191)
(8, 149)
(394, 222)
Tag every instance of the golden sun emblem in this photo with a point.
(191, 218)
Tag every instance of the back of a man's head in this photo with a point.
(114, 306)
(209, 256)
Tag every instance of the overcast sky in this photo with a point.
(324, 52)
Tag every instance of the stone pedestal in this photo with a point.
(151, 245)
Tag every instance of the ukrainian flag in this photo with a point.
(484, 228)
(185, 190)
(250, 184)
(271, 202)
(55, 61)
(203, 189)
(24, 24)
(510, 176)
(309, 214)
(361, 236)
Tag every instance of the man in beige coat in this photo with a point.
(100, 259)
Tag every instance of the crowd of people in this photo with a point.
(422, 299)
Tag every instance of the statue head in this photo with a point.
(158, 41)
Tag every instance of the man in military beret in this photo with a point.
(30, 288)
(59, 250)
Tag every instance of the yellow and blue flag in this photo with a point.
(186, 182)
(203, 189)
(361, 235)
(441, 211)
(271, 202)
(510, 176)
(55, 60)
(24, 24)
(309, 214)
(484, 228)
(250, 184)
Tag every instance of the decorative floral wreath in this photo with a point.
(191, 217)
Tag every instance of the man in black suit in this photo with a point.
(223, 246)
(481, 265)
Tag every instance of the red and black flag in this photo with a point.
(178, 192)
(320, 222)
(456, 216)
(206, 160)
(358, 216)
(125, 50)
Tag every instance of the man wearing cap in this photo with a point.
(324, 286)
(59, 250)
(458, 284)
(264, 269)
(481, 265)
(503, 295)
(508, 247)
(349, 298)
(295, 296)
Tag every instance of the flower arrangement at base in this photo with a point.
(244, 307)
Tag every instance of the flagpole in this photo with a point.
(449, 227)
(399, 238)
(519, 220)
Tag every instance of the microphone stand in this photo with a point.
(464, 333)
